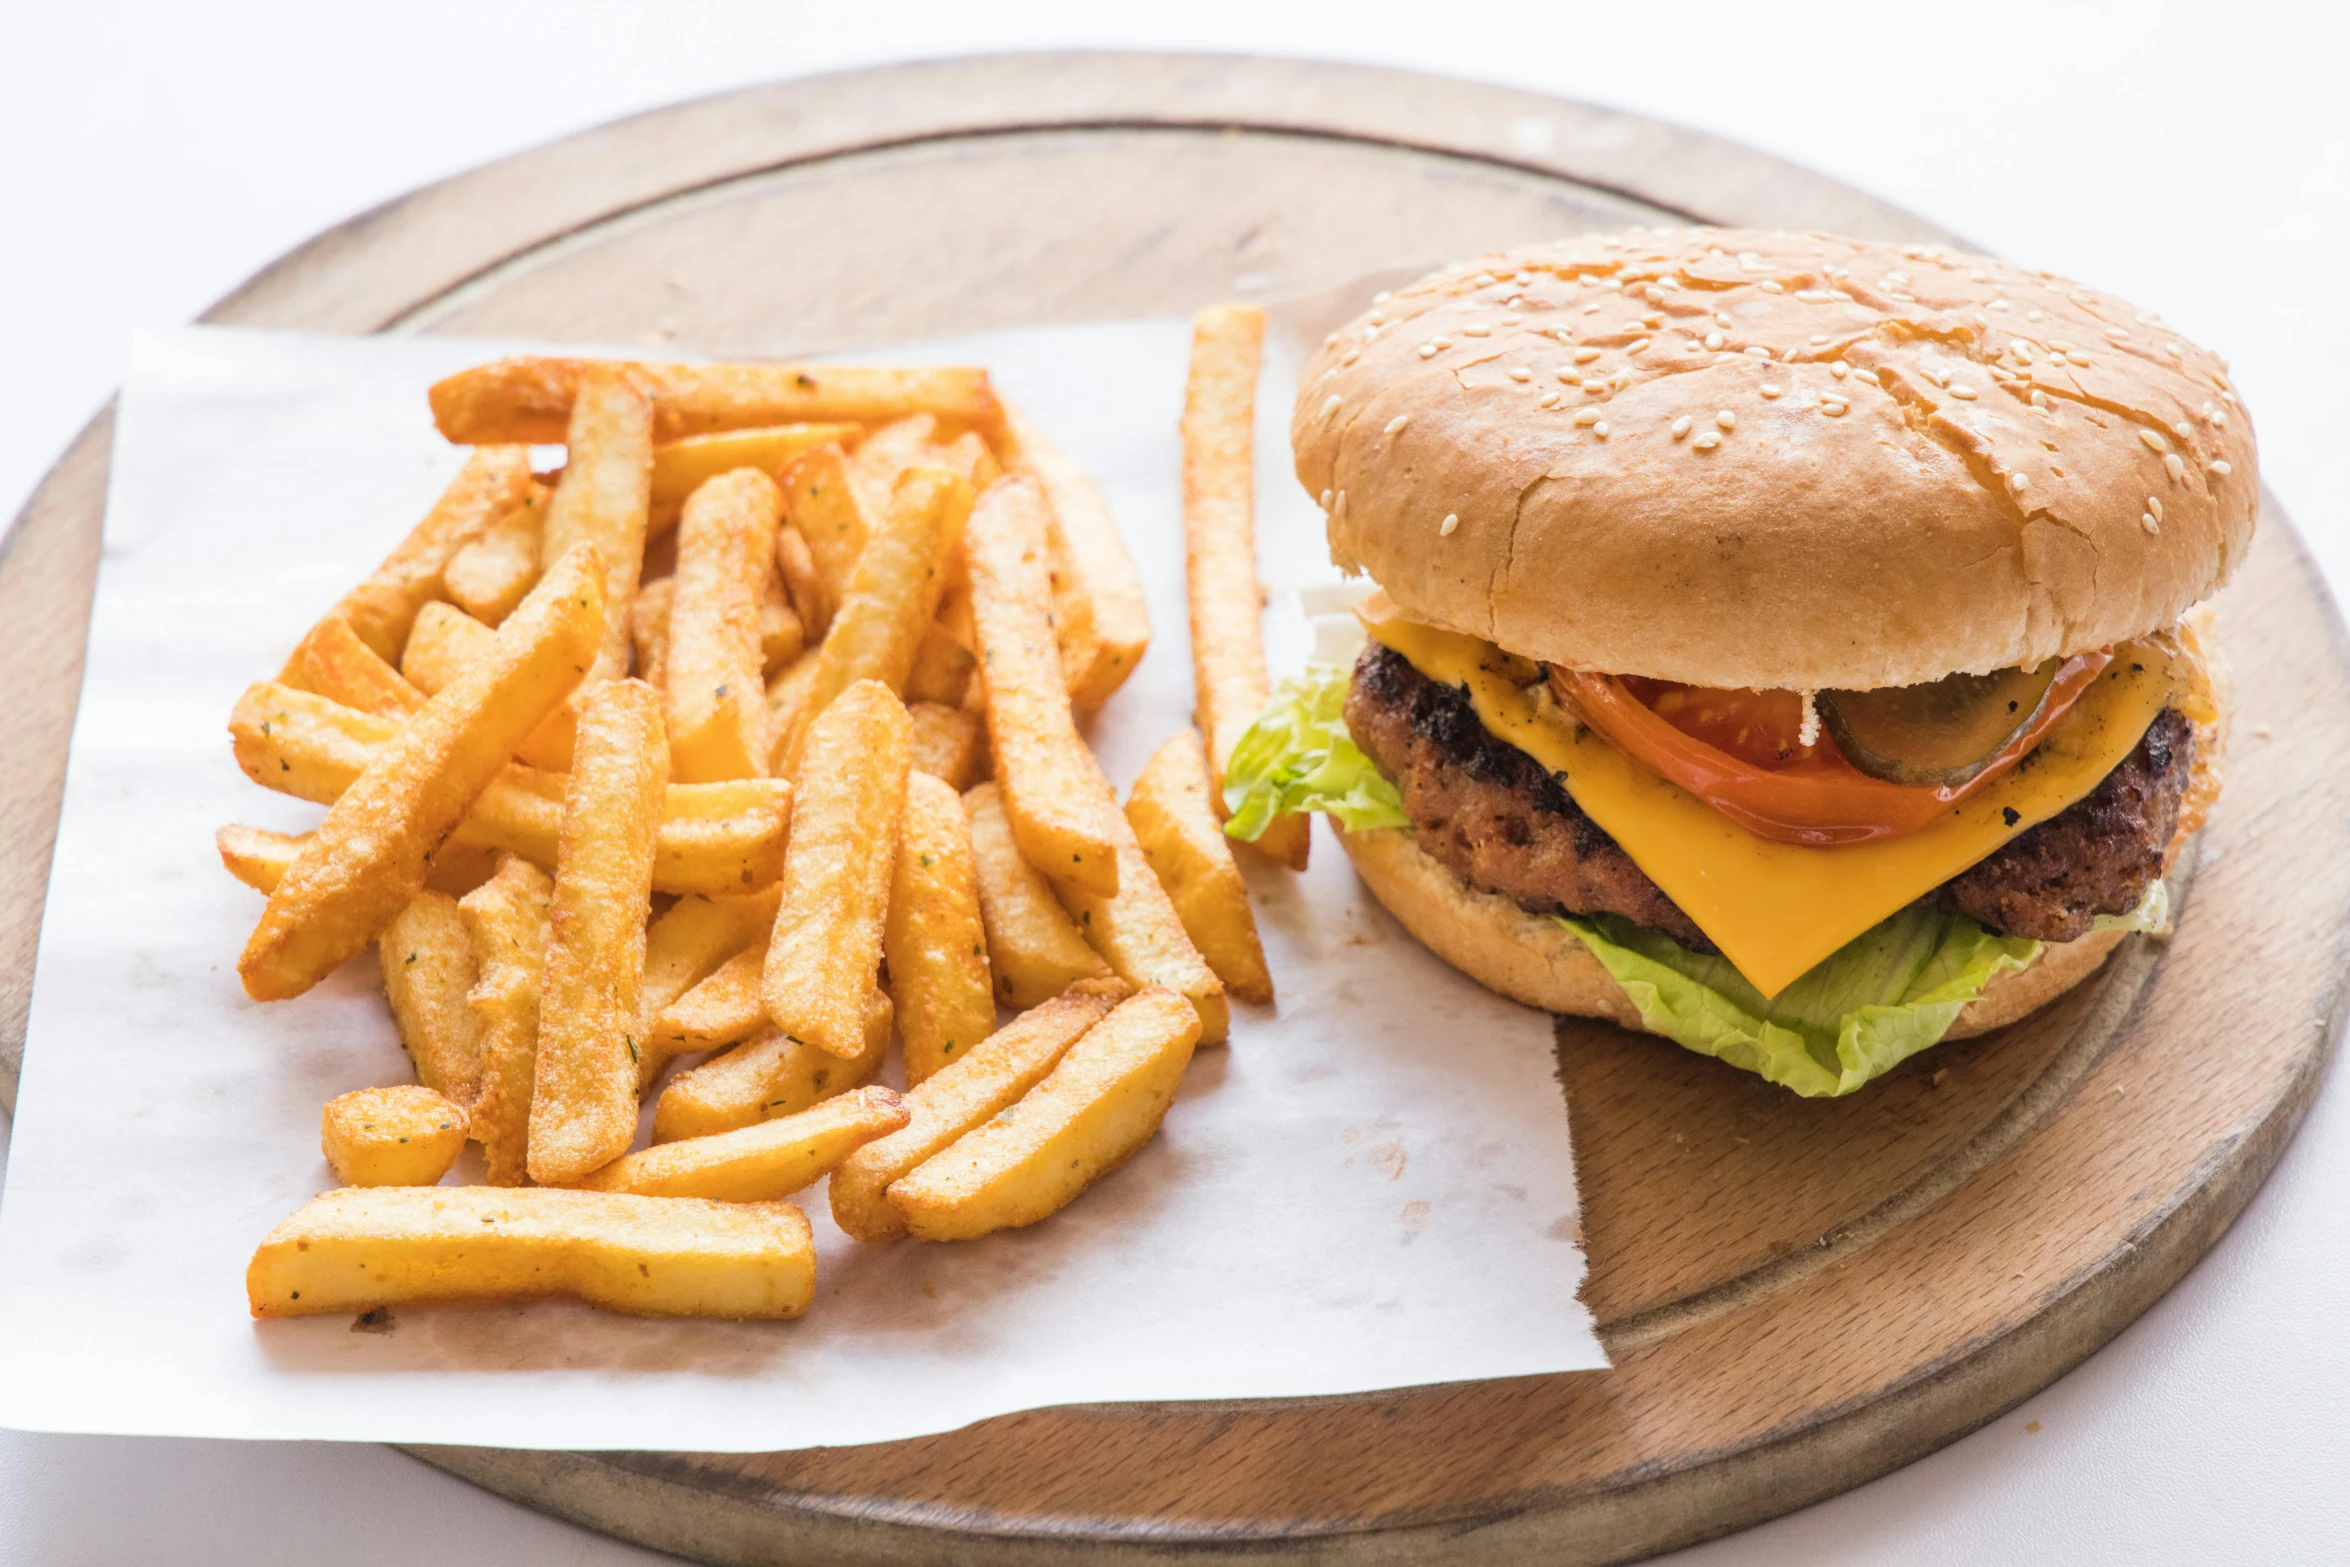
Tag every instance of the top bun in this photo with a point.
(1781, 462)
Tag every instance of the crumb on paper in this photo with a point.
(1415, 1216)
(1391, 1158)
(2032, 1426)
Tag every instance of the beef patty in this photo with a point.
(1493, 816)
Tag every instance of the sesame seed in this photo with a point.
(2075, 356)
(1722, 319)
(2218, 418)
(1978, 276)
(1567, 374)
(1396, 424)
(1817, 338)
(1521, 373)
(2019, 482)
(1771, 389)
(1476, 329)
(1587, 416)
(1584, 356)
(2174, 465)
(2154, 505)
(1839, 369)
(1726, 419)
(2174, 350)
(2146, 520)
(1591, 310)
(1340, 512)
(1815, 296)
(1758, 352)
(1350, 356)
(1444, 342)
(1451, 521)
(1706, 443)
(1427, 350)
(1378, 317)
(1331, 406)
(1325, 500)
(2117, 334)
(1549, 400)
(1680, 427)
(1594, 383)
(2032, 315)
(1833, 409)
(2219, 466)
(2059, 345)
(1331, 341)
(2154, 442)
(1512, 319)
(1639, 346)
(1725, 358)
(1600, 429)
(1997, 304)
(1713, 340)
(1963, 393)
(1772, 285)
(2041, 400)
(1382, 297)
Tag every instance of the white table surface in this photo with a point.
(2195, 159)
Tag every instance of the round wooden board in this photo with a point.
(1799, 1295)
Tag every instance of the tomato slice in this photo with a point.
(1740, 752)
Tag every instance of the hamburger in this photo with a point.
(1788, 645)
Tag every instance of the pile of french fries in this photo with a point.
(704, 769)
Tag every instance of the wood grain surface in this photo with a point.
(1800, 1295)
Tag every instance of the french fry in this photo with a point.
(757, 1163)
(949, 744)
(959, 1097)
(836, 869)
(1034, 949)
(361, 1248)
(427, 962)
(1099, 614)
(529, 400)
(932, 939)
(403, 1136)
(1094, 1110)
(803, 584)
(583, 1097)
(943, 666)
(1220, 549)
(787, 701)
(968, 456)
(892, 594)
(691, 940)
(774, 1074)
(1137, 929)
(713, 675)
(444, 644)
(648, 631)
(781, 636)
(1059, 810)
(884, 455)
(1186, 847)
(713, 838)
(723, 1008)
(369, 857)
(683, 466)
(258, 858)
(603, 498)
(488, 577)
(493, 481)
(507, 918)
(336, 663)
(825, 506)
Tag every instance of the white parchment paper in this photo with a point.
(1371, 1187)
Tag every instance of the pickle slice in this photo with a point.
(1938, 735)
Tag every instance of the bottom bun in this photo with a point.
(1534, 959)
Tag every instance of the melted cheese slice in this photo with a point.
(1775, 909)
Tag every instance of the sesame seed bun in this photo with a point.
(1944, 462)
(1533, 959)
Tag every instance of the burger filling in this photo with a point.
(1492, 815)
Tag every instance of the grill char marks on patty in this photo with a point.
(1489, 813)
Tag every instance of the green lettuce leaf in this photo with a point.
(1878, 1000)
(1298, 756)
